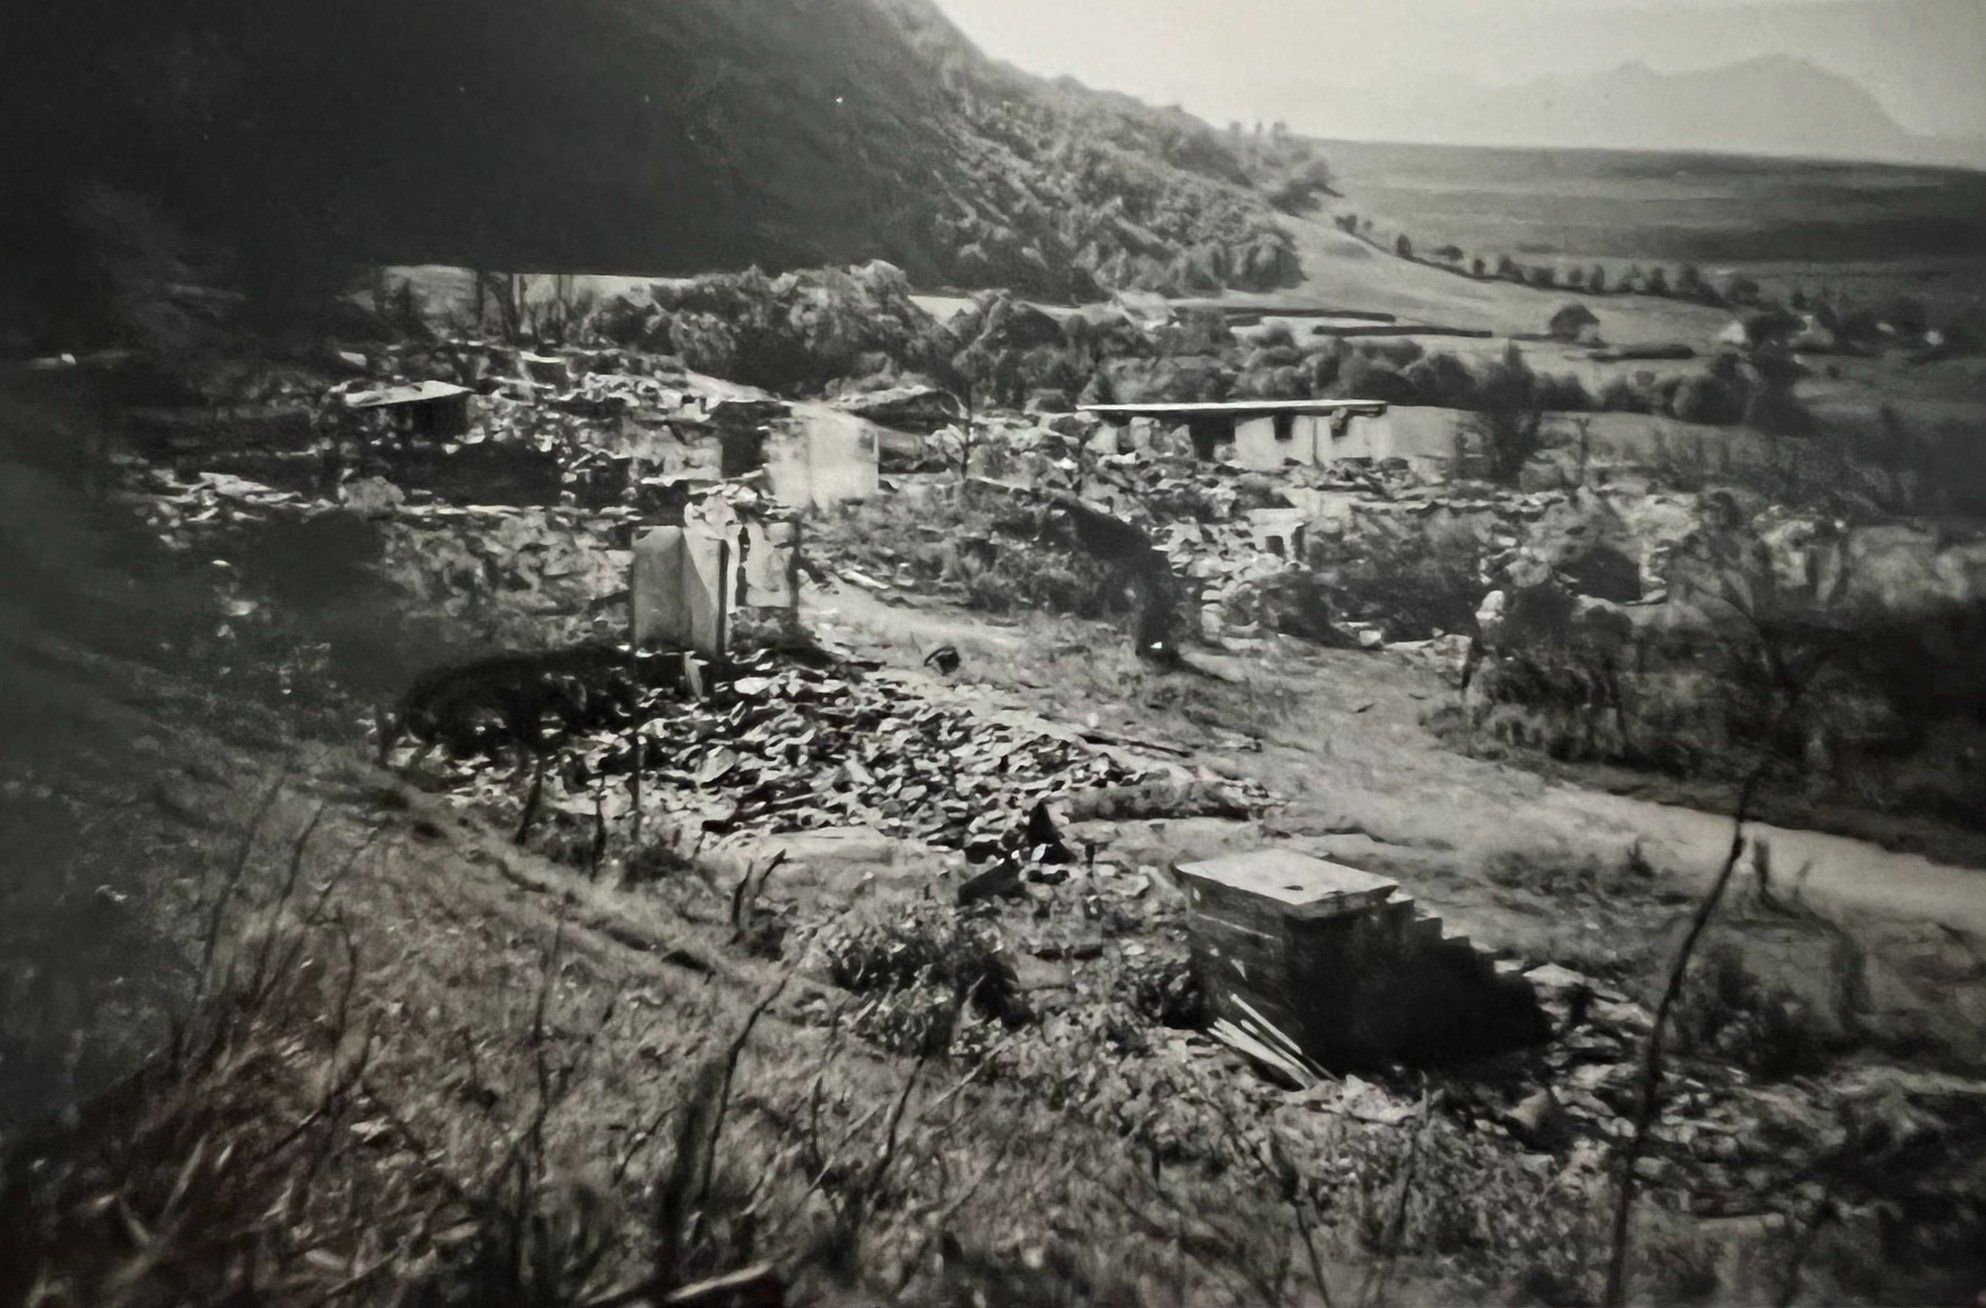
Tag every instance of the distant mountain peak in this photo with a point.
(1769, 104)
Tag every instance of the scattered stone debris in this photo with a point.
(782, 747)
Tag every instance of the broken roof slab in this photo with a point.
(1301, 885)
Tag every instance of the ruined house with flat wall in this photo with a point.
(1273, 434)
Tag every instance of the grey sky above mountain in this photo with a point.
(1408, 69)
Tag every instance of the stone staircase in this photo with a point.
(1344, 966)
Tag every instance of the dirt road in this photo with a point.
(1521, 861)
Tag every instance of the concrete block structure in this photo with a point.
(1344, 967)
(429, 410)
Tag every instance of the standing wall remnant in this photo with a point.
(689, 582)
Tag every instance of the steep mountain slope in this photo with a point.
(636, 135)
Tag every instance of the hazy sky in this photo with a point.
(1330, 67)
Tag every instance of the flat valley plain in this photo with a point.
(1864, 228)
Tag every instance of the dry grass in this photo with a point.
(483, 1104)
(432, 1069)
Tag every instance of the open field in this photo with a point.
(1867, 229)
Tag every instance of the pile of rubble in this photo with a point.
(183, 510)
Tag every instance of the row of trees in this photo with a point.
(1907, 315)
(1003, 353)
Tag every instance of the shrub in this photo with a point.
(1907, 314)
(933, 964)
(1691, 285)
(1443, 380)
(1273, 382)
(1509, 419)
(1326, 366)
(1275, 335)
(1573, 321)
(1563, 393)
(1709, 399)
(1397, 350)
(1367, 378)
(1419, 584)
(1621, 395)
(1776, 411)
(1283, 355)
(1728, 1012)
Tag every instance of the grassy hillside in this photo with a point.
(648, 136)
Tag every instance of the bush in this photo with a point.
(1397, 350)
(1510, 417)
(1367, 378)
(1273, 382)
(1272, 356)
(1728, 1012)
(1417, 585)
(1326, 366)
(1710, 400)
(1444, 381)
(1776, 411)
(1275, 335)
(1563, 393)
(1197, 332)
(1621, 395)
(1573, 321)
(929, 966)
(1691, 285)
(1907, 314)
